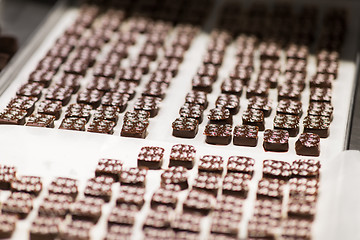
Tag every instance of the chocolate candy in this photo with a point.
(170, 65)
(127, 37)
(214, 58)
(241, 164)
(268, 208)
(49, 107)
(109, 113)
(208, 70)
(218, 134)
(149, 51)
(230, 102)
(154, 89)
(141, 64)
(202, 83)
(123, 214)
(149, 104)
(62, 94)
(160, 76)
(291, 107)
(73, 123)
(254, 117)
(289, 92)
(187, 222)
(50, 63)
(131, 195)
(322, 80)
(60, 51)
(115, 58)
(236, 184)
(131, 75)
(265, 228)
(7, 225)
(116, 231)
(151, 157)
(269, 50)
(276, 140)
(302, 207)
(64, 186)
(164, 196)
(295, 65)
(260, 103)
(328, 67)
(95, 43)
(76, 229)
(197, 97)
(134, 127)
(87, 209)
(133, 176)
(321, 109)
(185, 127)
(241, 74)
(42, 77)
(211, 163)
(55, 205)
(270, 188)
(317, 124)
(269, 76)
(100, 83)
(175, 52)
(226, 223)
(297, 51)
(101, 126)
(286, 122)
(209, 182)
(232, 86)
(125, 87)
(23, 103)
(109, 167)
(297, 228)
(257, 89)
(305, 168)
(18, 203)
(158, 233)
(90, 97)
(199, 201)
(182, 155)
(320, 94)
(192, 111)
(270, 64)
(296, 79)
(158, 217)
(27, 184)
(229, 204)
(45, 228)
(7, 176)
(308, 144)
(41, 120)
(77, 66)
(99, 187)
(302, 187)
(276, 169)
(77, 110)
(30, 90)
(246, 135)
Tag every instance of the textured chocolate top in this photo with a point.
(305, 168)
(287, 106)
(276, 169)
(196, 97)
(152, 154)
(259, 103)
(27, 184)
(246, 131)
(215, 130)
(273, 188)
(133, 176)
(211, 163)
(253, 115)
(316, 122)
(175, 175)
(276, 136)
(65, 186)
(241, 164)
(286, 121)
(131, 195)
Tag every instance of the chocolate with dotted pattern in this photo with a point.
(43, 77)
(149, 104)
(182, 155)
(276, 140)
(241, 164)
(41, 120)
(317, 124)
(87, 209)
(320, 94)
(197, 97)
(154, 89)
(287, 122)
(62, 94)
(199, 201)
(271, 188)
(73, 123)
(27, 184)
(123, 214)
(187, 222)
(170, 65)
(23, 103)
(131, 195)
(50, 63)
(151, 157)
(189, 110)
(131, 75)
(44, 227)
(78, 110)
(308, 144)
(90, 97)
(164, 197)
(7, 225)
(321, 109)
(114, 231)
(76, 229)
(55, 205)
(101, 126)
(254, 117)
(218, 134)
(185, 127)
(133, 176)
(260, 103)
(31, 89)
(257, 89)
(232, 86)
(19, 204)
(297, 228)
(7, 176)
(230, 102)
(309, 168)
(202, 83)
(100, 83)
(49, 107)
(211, 163)
(245, 135)
(276, 169)
(208, 182)
(133, 127)
(236, 184)
(159, 217)
(290, 107)
(99, 187)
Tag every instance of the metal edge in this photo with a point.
(30, 46)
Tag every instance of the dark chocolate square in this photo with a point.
(123, 214)
(187, 222)
(42, 77)
(49, 107)
(320, 94)
(197, 97)
(41, 120)
(270, 188)
(133, 176)
(305, 168)
(87, 209)
(105, 70)
(308, 144)
(287, 122)
(289, 92)
(109, 113)
(50, 63)
(236, 184)
(302, 187)
(131, 195)
(322, 80)
(163, 196)
(270, 64)
(218, 134)
(220, 116)
(291, 107)
(100, 83)
(18, 203)
(131, 75)
(101, 126)
(246, 135)
(297, 51)
(170, 65)
(77, 110)
(202, 83)
(208, 70)
(317, 124)
(260, 103)
(159, 217)
(76, 229)
(199, 201)
(321, 109)
(44, 227)
(7, 176)
(182, 155)
(136, 128)
(295, 65)
(99, 187)
(185, 127)
(302, 207)
(208, 182)
(109, 167)
(90, 97)
(62, 94)
(30, 90)
(142, 64)
(73, 123)
(23, 103)
(254, 117)
(257, 89)
(7, 225)
(27, 184)
(154, 89)
(241, 164)
(149, 104)
(276, 169)
(268, 208)
(230, 102)
(270, 76)
(232, 86)
(64, 186)
(124, 87)
(192, 111)
(211, 163)
(297, 228)
(114, 231)
(276, 140)
(151, 157)
(160, 76)
(77, 66)
(55, 205)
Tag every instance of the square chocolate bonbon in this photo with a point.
(202, 83)
(70, 80)
(262, 228)
(18, 203)
(73, 123)
(308, 144)
(164, 197)
(149, 104)
(317, 124)
(241, 164)
(182, 155)
(133, 176)
(62, 94)
(177, 176)
(27, 184)
(236, 184)
(7, 176)
(76, 229)
(159, 217)
(78, 110)
(297, 228)
(99, 187)
(151, 157)
(109, 113)
(268, 208)
(220, 116)
(133, 127)
(154, 89)
(187, 222)
(208, 182)
(90, 97)
(116, 99)
(302, 187)
(197, 97)
(101, 84)
(49, 107)
(42, 77)
(125, 88)
(232, 86)
(287, 122)
(254, 117)
(109, 167)
(309, 168)
(7, 225)
(41, 120)
(218, 134)
(114, 231)
(245, 135)
(260, 103)
(257, 89)
(276, 169)
(13, 116)
(321, 109)
(123, 214)
(289, 92)
(44, 227)
(55, 205)
(131, 195)
(230, 102)
(291, 107)
(101, 126)
(276, 140)
(64, 186)
(199, 201)
(185, 127)
(87, 209)
(192, 111)
(23, 103)
(133, 75)
(302, 207)
(320, 94)
(270, 188)
(211, 163)
(225, 223)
